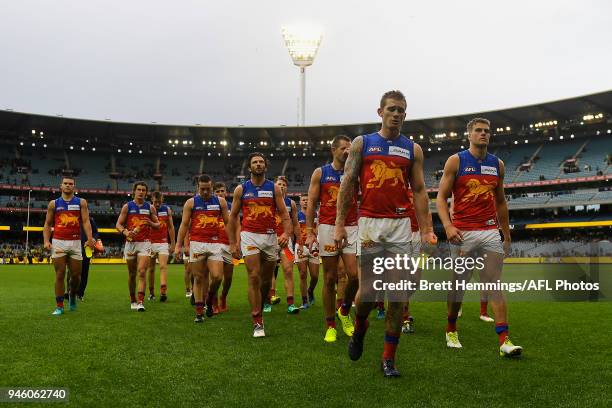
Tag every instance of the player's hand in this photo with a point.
(172, 248)
(340, 237)
(235, 251)
(507, 246)
(132, 233)
(311, 238)
(283, 240)
(429, 238)
(177, 251)
(91, 243)
(48, 245)
(453, 234)
(299, 250)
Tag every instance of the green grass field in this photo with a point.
(108, 355)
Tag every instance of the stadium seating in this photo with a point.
(550, 161)
(592, 158)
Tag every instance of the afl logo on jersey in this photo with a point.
(330, 178)
(470, 169)
(375, 149)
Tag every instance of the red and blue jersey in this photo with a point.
(67, 219)
(301, 217)
(205, 219)
(330, 185)
(137, 214)
(385, 168)
(474, 192)
(277, 219)
(258, 207)
(160, 236)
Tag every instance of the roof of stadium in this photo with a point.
(517, 118)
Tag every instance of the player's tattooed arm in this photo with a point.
(121, 221)
(153, 220)
(184, 227)
(87, 223)
(419, 191)
(295, 223)
(171, 231)
(314, 192)
(349, 183)
(445, 190)
(501, 205)
(232, 223)
(281, 208)
(48, 224)
(224, 214)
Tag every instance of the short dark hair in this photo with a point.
(398, 95)
(304, 195)
(281, 178)
(204, 178)
(257, 154)
(69, 178)
(157, 195)
(218, 185)
(338, 138)
(140, 183)
(471, 123)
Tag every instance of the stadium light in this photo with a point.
(20, 143)
(45, 145)
(303, 44)
(93, 149)
(33, 131)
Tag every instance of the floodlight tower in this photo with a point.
(303, 45)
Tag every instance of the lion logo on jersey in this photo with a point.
(478, 190)
(277, 219)
(207, 221)
(383, 173)
(255, 210)
(137, 222)
(333, 196)
(66, 220)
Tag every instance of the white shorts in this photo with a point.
(70, 248)
(327, 246)
(415, 243)
(385, 234)
(160, 248)
(480, 240)
(226, 254)
(252, 243)
(306, 255)
(134, 249)
(200, 250)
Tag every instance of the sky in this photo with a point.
(224, 63)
